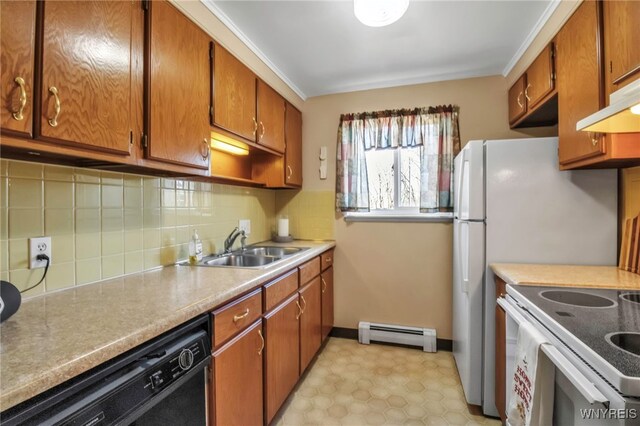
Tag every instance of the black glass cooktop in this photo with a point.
(607, 321)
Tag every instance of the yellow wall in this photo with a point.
(105, 224)
(392, 272)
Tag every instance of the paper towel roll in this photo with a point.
(283, 227)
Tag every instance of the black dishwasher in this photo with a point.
(162, 382)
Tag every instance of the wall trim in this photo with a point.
(531, 37)
(352, 334)
(213, 8)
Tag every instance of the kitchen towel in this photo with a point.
(532, 385)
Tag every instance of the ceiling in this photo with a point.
(319, 47)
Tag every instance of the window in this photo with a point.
(394, 180)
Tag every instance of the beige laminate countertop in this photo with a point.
(57, 336)
(567, 276)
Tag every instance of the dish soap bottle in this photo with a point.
(195, 248)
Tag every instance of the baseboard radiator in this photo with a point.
(374, 332)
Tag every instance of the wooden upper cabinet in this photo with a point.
(540, 78)
(234, 95)
(310, 322)
(86, 74)
(17, 55)
(178, 89)
(237, 380)
(293, 153)
(517, 101)
(579, 83)
(271, 116)
(622, 43)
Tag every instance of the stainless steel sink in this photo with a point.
(255, 257)
(240, 260)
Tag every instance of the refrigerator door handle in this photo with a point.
(464, 253)
(463, 155)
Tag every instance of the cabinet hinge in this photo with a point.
(130, 137)
(211, 51)
(610, 66)
(145, 141)
(211, 111)
(145, 4)
(553, 75)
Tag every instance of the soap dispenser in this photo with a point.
(195, 248)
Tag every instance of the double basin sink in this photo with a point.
(250, 257)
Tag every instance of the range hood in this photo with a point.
(621, 116)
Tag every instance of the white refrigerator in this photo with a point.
(513, 205)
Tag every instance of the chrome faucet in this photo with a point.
(228, 243)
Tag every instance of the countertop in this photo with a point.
(57, 336)
(567, 276)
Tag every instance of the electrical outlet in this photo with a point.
(245, 225)
(39, 245)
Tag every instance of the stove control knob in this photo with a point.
(185, 360)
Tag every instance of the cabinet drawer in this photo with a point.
(326, 259)
(309, 270)
(277, 290)
(234, 317)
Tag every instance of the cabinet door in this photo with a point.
(578, 82)
(540, 78)
(178, 88)
(500, 373)
(327, 302)
(310, 322)
(282, 341)
(270, 109)
(517, 101)
(234, 95)
(293, 153)
(86, 74)
(622, 43)
(237, 380)
(17, 47)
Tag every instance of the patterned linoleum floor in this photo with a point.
(354, 384)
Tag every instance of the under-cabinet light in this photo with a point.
(223, 143)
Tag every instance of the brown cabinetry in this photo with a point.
(622, 43)
(86, 94)
(237, 380)
(270, 113)
(282, 362)
(532, 99)
(310, 322)
(581, 92)
(327, 302)
(178, 88)
(17, 55)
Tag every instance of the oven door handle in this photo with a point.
(582, 384)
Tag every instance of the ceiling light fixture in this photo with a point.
(378, 13)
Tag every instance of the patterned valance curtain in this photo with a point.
(434, 129)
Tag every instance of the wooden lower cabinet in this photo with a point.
(500, 372)
(327, 302)
(237, 380)
(310, 322)
(282, 356)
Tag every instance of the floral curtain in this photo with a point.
(435, 129)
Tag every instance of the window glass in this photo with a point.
(409, 182)
(380, 171)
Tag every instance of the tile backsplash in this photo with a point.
(311, 213)
(106, 224)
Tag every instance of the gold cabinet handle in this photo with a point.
(262, 342)
(53, 122)
(305, 303)
(520, 104)
(238, 317)
(299, 310)
(324, 285)
(595, 138)
(261, 133)
(205, 156)
(327, 259)
(290, 170)
(255, 126)
(526, 92)
(18, 115)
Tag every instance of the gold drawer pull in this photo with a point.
(520, 104)
(262, 340)
(290, 170)
(53, 122)
(299, 310)
(328, 259)
(526, 93)
(305, 303)
(324, 284)
(18, 115)
(238, 317)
